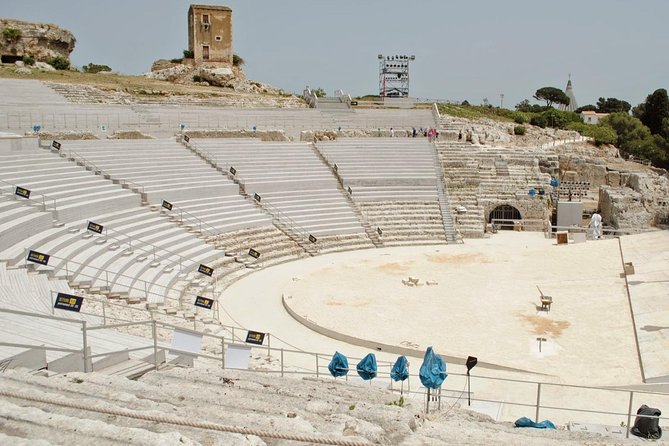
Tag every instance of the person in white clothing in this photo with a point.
(596, 225)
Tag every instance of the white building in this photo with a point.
(591, 117)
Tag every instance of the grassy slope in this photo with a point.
(134, 85)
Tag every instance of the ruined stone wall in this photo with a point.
(641, 201)
(40, 40)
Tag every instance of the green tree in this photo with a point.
(552, 96)
(655, 110)
(525, 107)
(555, 118)
(630, 130)
(319, 92)
(588, 107)
(612, 105)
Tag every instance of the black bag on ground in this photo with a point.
(645, 426)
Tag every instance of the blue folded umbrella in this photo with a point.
(366, 368)
(339, 365)
(433, 370)
(400, 370)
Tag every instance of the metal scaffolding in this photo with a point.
(394, 75)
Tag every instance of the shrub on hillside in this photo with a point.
(237, 60)
(95, 68)
(60, 63)
(28, 60)
(519, 130)
(520, 118)
(12, 34)
(197, 78)
(188, 54)
(601, 134)
(555, 118)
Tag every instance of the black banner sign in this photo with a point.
(233, 171)
(206, 270)
(167, 205)
(38, 257)
(255, 337)
(253, 253)
(68, 302)
(257, 197)
(204, 302)
(186, 138)
(22, 192)
(312, 239)
(379, 231)
(350, 191)
(354, 102)
(336, 168)
(94, 227)
(56, 145)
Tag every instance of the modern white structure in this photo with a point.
(569, 91)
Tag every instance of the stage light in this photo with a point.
(380, 56)
(470, 363)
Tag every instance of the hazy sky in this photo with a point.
(467, 49)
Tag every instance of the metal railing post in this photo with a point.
(269, 352)
(282, 362)
(222, 352)
(536, 415)
(104, 313)
(316, 366)
(155, 344)
(629, 415)
(85, 345)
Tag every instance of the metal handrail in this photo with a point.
(77, 157)
(213, 232)
(318, 366)
(30, 201)
(154, 248)
(106, 303)
(282, 218)
(116, 275)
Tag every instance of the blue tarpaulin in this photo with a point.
(339, 365)
(526, 422)
(433, 370)
(366, 368)
(400, 370)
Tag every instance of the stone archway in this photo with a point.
(504, 215)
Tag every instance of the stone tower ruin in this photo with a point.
(210, 34)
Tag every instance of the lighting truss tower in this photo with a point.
(394, 75)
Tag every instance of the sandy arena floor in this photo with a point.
(483, 301)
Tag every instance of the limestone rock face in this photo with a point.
(623, 208)
(171, 73)
(40, 40)
(641, 202)
(207, 74)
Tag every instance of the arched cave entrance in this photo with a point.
(503, 216)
